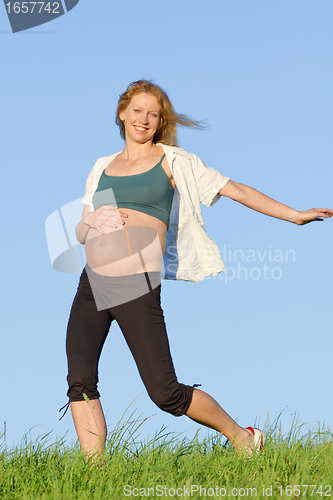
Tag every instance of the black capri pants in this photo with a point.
(142, 323)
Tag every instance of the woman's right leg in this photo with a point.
(86, 334)
(90, 426)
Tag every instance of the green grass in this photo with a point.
(157, 468)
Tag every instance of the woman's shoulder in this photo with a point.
(101, 163)
(177, 150)
(105, 159)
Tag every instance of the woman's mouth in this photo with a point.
(140, 129)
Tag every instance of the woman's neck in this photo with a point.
(133, 151)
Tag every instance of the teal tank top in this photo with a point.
(150, 192)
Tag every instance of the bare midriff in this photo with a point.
(135, 247)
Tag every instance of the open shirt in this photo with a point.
(190, 254)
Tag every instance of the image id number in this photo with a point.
(302, 489)
(31, 7)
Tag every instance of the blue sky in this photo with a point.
(260, 74)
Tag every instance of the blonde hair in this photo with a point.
(167, 131)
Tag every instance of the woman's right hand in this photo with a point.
(107, 215)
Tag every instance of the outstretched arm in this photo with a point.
(261, 203)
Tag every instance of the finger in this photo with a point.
(109, 208)
(121, 214)
(113, 223)
(323, 214)
(112, 218)
(99, 228)
(326, 211)
(108, 214)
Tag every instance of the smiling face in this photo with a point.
(142, 118)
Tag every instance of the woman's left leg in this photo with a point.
(206, 411)
(143, 326)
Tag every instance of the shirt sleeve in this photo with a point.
(209, 182)
(87, 199)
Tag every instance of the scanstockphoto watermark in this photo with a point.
(128, 262)
(122, 264)
(264, 491)
(250, 264)
(244, 264)
(188, 491)
(26, 15)
(67, 255)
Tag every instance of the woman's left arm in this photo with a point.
(261, 203)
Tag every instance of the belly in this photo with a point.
(134, 248)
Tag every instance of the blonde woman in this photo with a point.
(142, 218)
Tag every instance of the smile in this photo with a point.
(141, 129)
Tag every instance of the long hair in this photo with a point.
(167, 131)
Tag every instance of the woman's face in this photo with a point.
(142, 118)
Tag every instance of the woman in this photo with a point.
(127, 231)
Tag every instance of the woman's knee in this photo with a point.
(175, 402)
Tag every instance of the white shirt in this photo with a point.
(190, 254)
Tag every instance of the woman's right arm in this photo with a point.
(106, 215)
(82, 228)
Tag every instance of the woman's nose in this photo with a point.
(144, 118)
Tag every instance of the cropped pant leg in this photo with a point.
(143, 326)
(86, 333)
(142, 323)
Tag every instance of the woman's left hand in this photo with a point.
(315, 214)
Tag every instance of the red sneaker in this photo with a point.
(259, 438)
